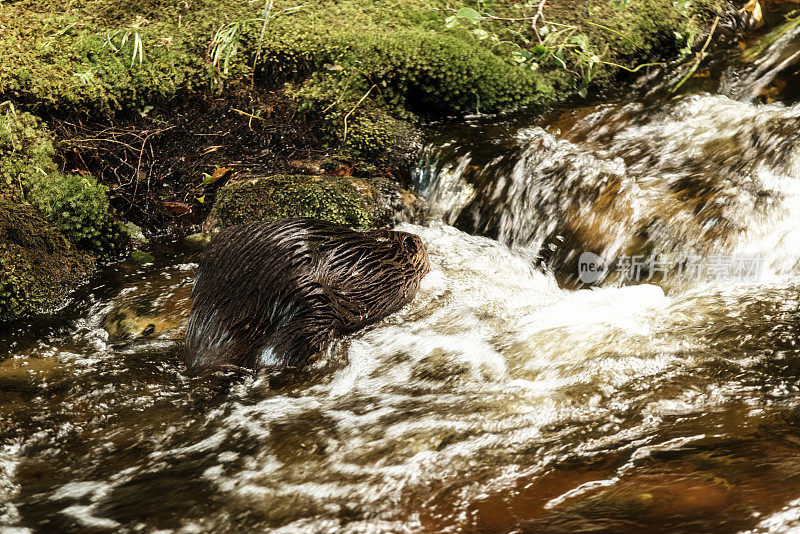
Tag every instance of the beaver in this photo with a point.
(272, 294)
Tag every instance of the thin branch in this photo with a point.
(700, 56)
(104, 140)
(246, 114)
(539, 15)
(344, 137)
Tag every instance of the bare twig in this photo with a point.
(339, 98)
(344, 137)
(344, 91)
(104, 140)
(246, 114)
(700, 56)
(539, 16)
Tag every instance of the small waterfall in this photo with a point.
(768, 67)
(705, 175)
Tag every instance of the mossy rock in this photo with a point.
(38, 265)
(354, 202)
(76, 204)
(26, 151)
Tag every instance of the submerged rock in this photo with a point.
(196, 241)
(141, 257)
(38, 265)
(355, 202)
(149, 310)
(128, 323)
(22, 369)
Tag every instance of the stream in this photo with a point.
(513, 394)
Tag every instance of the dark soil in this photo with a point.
(155, 165)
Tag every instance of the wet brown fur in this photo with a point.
(275, 293)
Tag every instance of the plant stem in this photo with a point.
(267, 9)
(344, 137)
(700, 55)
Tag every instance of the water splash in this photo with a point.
(704, 175)
(492, 376)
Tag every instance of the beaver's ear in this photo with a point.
(410, 243)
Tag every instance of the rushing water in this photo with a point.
(503, 398)
(704, 175)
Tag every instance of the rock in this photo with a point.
(355, 202)
(38, 265)
(392, 204)
(440, 366)
(22, 369)
(136, 234)
(126, 323)
(151, 309)
(142, 257)
(196, 241)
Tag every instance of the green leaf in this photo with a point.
(682, 6)
(469, 14)
(481, 34)
(582, 41)
(540, 51)
(520, 56)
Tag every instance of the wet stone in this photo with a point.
(196, 241)
(26, 368)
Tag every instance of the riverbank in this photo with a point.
(114, 110)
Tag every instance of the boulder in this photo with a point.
(38, 265)
(354, 202)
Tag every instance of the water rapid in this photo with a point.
(508, 397)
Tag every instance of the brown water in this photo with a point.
(506, 397)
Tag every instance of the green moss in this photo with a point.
(142, 257)
(76, 204)
(371, 135)
(334, 199)
(38, 265)
(26, 151)
(72, 59)
(368, 69)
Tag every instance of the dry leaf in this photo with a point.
(749, 6)
(180, 208)
(219, 172)
(757, 12)
(754, 8)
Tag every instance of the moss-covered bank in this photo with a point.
(355, 202)
(51, 223)
(75, 203)
(38, 265)
(91, 57)
(359, 76)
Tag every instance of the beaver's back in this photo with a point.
(274, 293)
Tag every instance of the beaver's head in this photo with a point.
(413, 250)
